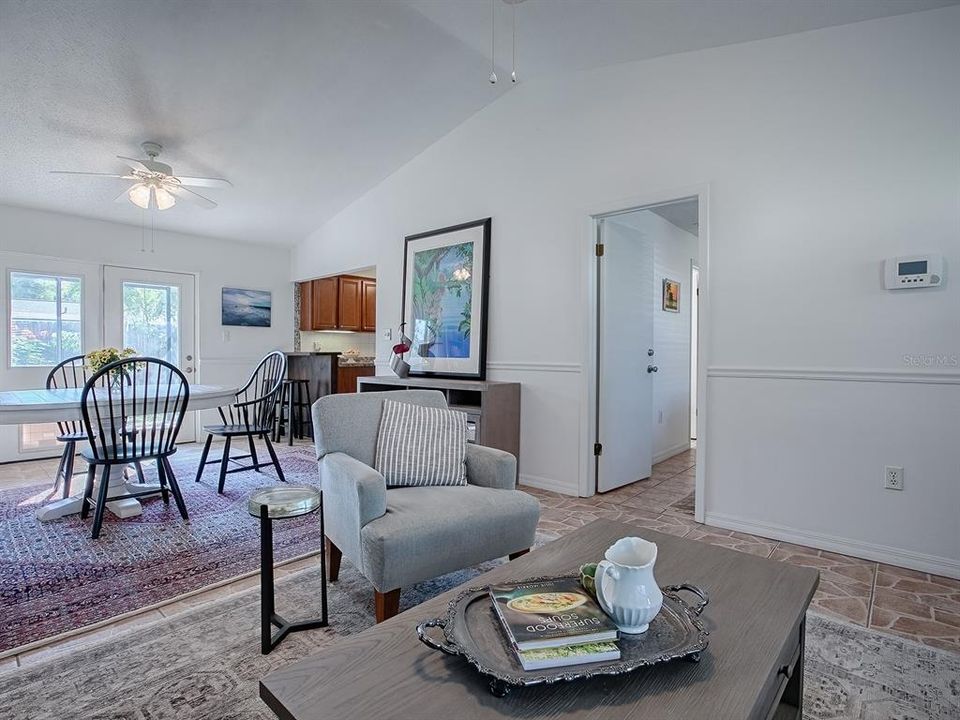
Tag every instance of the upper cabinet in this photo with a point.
(326, 305)
(368, 320)
(345, 302)
(350, 300)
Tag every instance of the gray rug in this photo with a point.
(205, 664)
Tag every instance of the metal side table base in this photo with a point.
(270, 504)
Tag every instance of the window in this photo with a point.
(151, 320)
(45, 319)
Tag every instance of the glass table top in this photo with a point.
(285, 501)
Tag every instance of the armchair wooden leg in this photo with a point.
(388, 604)
(514, 556)
(335, 554)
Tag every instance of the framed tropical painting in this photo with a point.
(671, 295)
(445, 278)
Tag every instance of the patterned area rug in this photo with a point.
(54, 577)
(204, 664)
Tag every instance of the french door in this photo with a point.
(155, 314)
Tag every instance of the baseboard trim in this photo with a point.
(670, 452)
(542, 483)
(948, 567)
(923, 377)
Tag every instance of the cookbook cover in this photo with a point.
(551, 613)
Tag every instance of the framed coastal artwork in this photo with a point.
(445, 279)
(245, 308)
(671, 295)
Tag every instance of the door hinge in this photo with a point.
(598, 449)
(599, 249)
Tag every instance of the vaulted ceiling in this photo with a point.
(305, 105)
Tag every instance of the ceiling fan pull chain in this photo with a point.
(513, 73)
(493, 34)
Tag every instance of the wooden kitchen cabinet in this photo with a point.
(347, 377)
(326, 305)
(368, 289)
(344, 302)
(350, 301)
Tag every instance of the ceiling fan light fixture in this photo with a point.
(163, 198)
(139, 195)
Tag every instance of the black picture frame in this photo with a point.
(479, 364)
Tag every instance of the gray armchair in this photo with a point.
(400, 536)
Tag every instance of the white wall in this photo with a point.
(825, 152)
(51, 237)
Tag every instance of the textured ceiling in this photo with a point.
(304, 105)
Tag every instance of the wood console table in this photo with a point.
(493, 408)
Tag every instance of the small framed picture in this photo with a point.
(671, 295)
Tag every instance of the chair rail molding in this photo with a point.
(534, 366)
(919, 375)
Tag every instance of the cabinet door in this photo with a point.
(306, 305)
(369, 305)
(347, 378)
(325, 303)
(350, 301)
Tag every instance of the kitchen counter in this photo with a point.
(315, 352)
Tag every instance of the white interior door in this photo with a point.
(625, 328)
(155, 314)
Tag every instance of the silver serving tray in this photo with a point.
(472, 630)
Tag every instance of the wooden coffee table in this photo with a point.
(753, 667)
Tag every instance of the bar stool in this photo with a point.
(293, 413)
(276, 503)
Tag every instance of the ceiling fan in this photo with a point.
(156, 186)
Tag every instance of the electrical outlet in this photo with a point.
(893, 477)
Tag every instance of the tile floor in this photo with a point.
(911, 604)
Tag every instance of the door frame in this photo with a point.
(587, 480)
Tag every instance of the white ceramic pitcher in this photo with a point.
(626, 588)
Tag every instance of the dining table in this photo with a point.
(43, 405)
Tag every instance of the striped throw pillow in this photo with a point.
(418, 446)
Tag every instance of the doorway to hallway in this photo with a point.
(646, 344)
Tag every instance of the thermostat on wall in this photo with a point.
(915, 271)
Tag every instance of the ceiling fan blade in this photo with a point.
(77, 172)
(123, 197)
(134, 164)
(188, 194)
(204, 182)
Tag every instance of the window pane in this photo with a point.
(45, 319)
(151, 320)
(70, 344)
(33, 342)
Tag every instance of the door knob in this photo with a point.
(652, 368)
(189, 370)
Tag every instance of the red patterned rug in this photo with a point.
(54, 577)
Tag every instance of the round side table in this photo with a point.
(275, 503)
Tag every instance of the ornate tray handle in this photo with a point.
(698, 591)
(430, 642)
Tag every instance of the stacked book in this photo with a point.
(553, 623)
